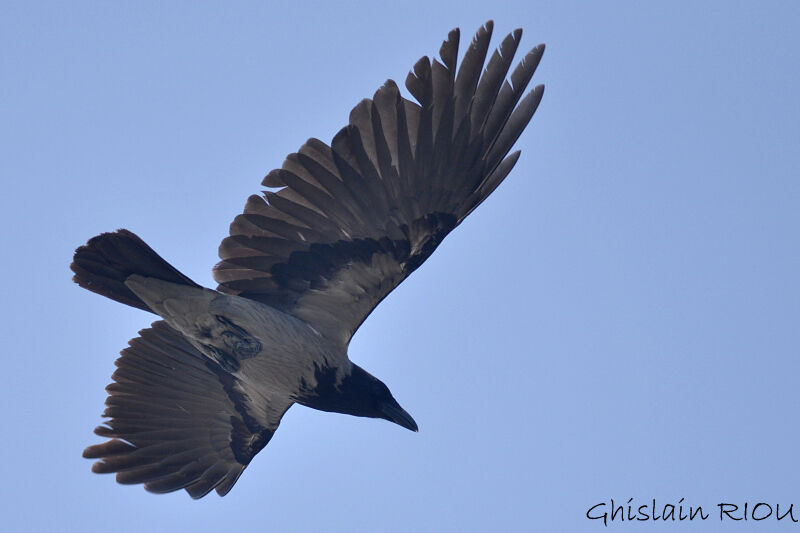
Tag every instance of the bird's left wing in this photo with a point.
(352, 220)
(177, 421)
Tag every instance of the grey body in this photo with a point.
(281, 354)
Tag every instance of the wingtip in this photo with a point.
(483, 33)
(343, 132)
(272, 179)
(97, 468)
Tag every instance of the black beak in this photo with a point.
(396, 414)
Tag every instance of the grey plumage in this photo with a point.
(202, 391)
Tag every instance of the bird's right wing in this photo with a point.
(177, 421)
(354, 219)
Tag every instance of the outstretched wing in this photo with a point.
(177, 421)
(354, 219)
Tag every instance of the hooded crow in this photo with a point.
(198, 394)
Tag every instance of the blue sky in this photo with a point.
(619, 319)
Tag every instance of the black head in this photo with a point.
(358, 394)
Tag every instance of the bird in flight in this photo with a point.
(198, 394)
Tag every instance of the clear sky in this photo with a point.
(618, 320)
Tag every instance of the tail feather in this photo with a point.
(104, 263)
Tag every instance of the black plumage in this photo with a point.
(200, 393)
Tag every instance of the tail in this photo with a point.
(104, 263)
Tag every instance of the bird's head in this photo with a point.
(358, 393)
(385, 406)
(375, 399)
